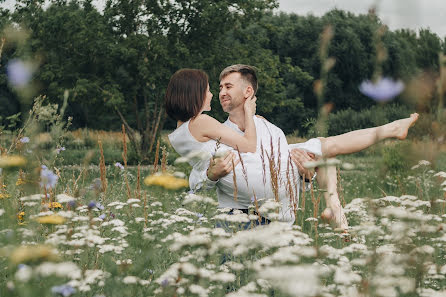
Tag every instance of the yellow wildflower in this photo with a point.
(4, 195)
(51, 219)
(166, 181)
(7, 161)
(20, 215)
(33, 253)
(20, 182)
(53, 205)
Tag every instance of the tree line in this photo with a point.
(116, 63)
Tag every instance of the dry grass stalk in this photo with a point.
(138, 182)
(316, 202)
(1, 46)
(124, 145)
(155, 163)
(234, 179)
(145, 209)
(302, 205)
(292, 186)
(256, 203)
(245, 173)
(155, 130)
(102, 169)
(164, 159)
(273, 170)
(340, 189)
(262, 157)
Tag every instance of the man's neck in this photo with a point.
(238, 118)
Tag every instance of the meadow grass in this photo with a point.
(148, 241)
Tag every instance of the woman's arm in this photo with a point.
(205, 127)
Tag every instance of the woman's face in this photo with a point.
(207, 100)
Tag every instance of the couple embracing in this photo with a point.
(253, 158)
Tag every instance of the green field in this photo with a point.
(164, 243)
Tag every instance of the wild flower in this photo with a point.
(54, 205)
(4, 195)
(382, 90)
(2, 211)
(51, 219)
(166, 181)
(64, 198)
(60, 149)
(21, 215)
(10, 161)
(33, 253)
(48, 179)
(24, 139)
(19, 73)
(63, 290)
(20, 182)
(119, 165)
(94, 204)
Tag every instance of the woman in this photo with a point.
(188, 96)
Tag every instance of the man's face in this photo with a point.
(232, 90)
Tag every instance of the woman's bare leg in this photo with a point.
(327, 180)
(358, 140)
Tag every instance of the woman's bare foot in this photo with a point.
(335, 217)
(402, 126)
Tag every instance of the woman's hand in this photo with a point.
(250, 105)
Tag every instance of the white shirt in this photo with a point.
(255, 176)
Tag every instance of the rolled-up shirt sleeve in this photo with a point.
(198, 179)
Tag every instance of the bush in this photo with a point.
(349, 120)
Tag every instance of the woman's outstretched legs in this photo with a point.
(358, 140)
(327, 181)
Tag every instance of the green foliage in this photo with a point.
(396, 159)
(348, 120)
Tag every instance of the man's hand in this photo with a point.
(299, 157)
(221, 166)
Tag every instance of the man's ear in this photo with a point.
(249, 92)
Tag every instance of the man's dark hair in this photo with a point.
(248, 73)
(186, 93)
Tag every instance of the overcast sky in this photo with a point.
(413, 14)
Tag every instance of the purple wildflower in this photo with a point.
(60, 149)
(64, 290)
(94, 204)
(47, 178)
(119, 165)
(165, 283)
(383, 90)
(102, 216)
(19, 73)
(24, 139)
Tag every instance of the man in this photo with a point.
(273, 171)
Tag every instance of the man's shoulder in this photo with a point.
(264, 122)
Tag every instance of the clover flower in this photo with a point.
(383, 90)
(48, 179)
(19, 73)
(64, 290)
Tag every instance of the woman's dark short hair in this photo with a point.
(186, 93)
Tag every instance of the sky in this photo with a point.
(412, 14)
